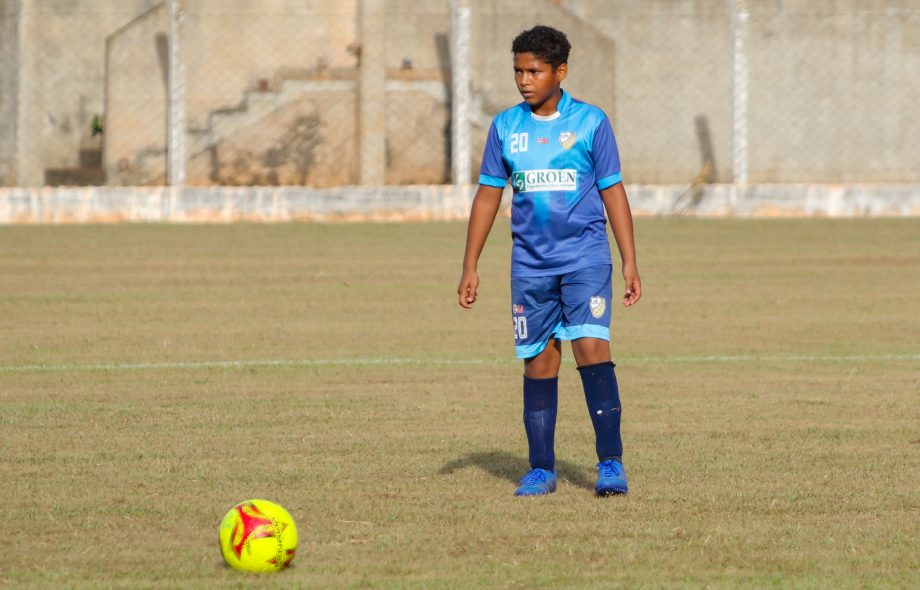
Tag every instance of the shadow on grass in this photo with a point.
(511, 467)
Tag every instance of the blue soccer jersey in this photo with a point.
(557, 165)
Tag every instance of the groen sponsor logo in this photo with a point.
(544, 180)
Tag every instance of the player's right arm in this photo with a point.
(493, 175)
(482, 216)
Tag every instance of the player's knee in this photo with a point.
(591, 351)
(542, 366)
(540, 370)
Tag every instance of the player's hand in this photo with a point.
(467, 290)
(633, 285)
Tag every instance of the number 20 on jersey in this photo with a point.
(518, 143)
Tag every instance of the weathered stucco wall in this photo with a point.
(424, 203)
(671, 67)
(9, 75)
(136, 105)
(308, 140)
(236, 45)
(61, 78)
(833, 90)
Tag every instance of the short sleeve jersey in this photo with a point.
(557, 165)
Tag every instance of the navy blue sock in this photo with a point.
(603, 398)
(541, 398)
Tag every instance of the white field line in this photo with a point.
(385, 361)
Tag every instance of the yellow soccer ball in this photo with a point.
(258, 536)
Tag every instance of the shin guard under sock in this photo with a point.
(603, 399)
(541, 398)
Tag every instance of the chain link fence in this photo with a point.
(833, 94)
(328, 93)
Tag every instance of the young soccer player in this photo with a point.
(562, 159)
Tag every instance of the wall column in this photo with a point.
(372, 93)
(460, 92)
(9, 89)
(175, 134)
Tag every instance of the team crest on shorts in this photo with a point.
(598, 305)
(567, 139)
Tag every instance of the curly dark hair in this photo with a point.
(546, 43)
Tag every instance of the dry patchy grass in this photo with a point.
(770, 381)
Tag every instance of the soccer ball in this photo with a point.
(258, 536)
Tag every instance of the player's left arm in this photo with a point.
(620, 215)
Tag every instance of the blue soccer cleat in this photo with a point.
(611, 478)
(537, 482)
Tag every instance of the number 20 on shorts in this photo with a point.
(520, 327)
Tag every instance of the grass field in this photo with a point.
(153, 376)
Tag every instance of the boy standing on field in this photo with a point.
(562, 159)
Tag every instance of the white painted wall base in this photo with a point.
(422, 203)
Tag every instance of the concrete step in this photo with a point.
(91, 157)
(255, 106)
(75, 176)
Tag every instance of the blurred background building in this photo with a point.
(326, 93)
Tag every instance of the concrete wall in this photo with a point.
(309, 137)
(834, 83)
(671, 69)
(61, 78)
(417, 133)
(423, 203)
(62, 65)
(308, 140)
(833, 90)
(136, 105)
(233, 45)
(418, 32)
(9, 73)
(272, 98)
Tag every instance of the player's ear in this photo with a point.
(561, 72)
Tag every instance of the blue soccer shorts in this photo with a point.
(566, 307)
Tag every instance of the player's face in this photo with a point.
(537, 81)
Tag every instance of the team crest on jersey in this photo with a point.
(567, 139)
(598, 305)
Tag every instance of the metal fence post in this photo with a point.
(176, 141)
(460, 92)
(740, 18)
